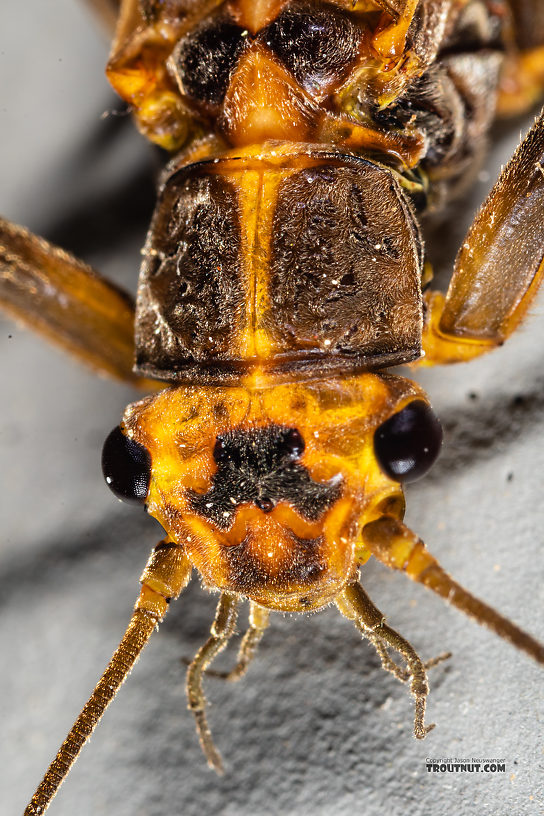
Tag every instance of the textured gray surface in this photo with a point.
(316, 726)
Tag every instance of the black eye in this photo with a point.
(126, 466)
(407, 444)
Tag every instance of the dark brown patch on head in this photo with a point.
(247, 572)
(191, 294)
(261, 466)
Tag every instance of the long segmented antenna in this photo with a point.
(394, 544)
(142, 624)
(165, 575)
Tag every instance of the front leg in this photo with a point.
(499, 267)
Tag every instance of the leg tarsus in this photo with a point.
(355, 605)
(434, 661)
(222, 629)
(388, 664)
(258, 622)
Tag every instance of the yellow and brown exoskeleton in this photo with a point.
(283, 271)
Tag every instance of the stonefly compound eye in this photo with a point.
(408, 443)
(126, 466)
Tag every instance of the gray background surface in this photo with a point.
(316, 727)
